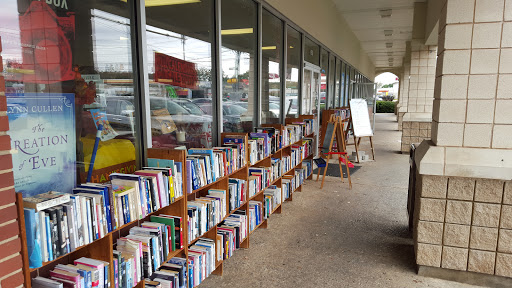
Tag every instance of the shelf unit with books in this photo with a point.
(102, 249)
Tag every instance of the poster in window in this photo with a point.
(42, 131)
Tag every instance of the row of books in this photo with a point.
(271, 200)
(206, 212)
(205, 166)
(201, 257)
(231, 233)
(171, 274)
(83, 273)
(255, 214)
(237, 193)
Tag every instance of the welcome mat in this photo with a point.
(334, 170)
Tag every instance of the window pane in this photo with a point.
(63, 66)
(272, 58)
(311, 52)
(338, 83)
(347, 83)
(179, 56)
(342, 93)
(323, 87)
(332, 66)
(238, 19)
(292, 73)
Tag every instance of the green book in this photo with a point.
(169, 221)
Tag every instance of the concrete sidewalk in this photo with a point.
(337, 237)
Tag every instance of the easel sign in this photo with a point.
(334, 130)
(361, 126)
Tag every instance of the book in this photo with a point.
(45, 200)
(33, 238)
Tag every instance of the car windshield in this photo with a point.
(191, 107)
(273, 106)
(163, 103)
(234, 110)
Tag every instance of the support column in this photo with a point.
(463, 208)
(404, 95)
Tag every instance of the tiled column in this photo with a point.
(463, 211)
(10, 245)
(416, 122)
(404, 87)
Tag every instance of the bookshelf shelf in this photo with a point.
(260, 162)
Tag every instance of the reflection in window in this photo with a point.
(180, 88)
(324, 66)
(338, 82)
(292, 73)
(342, 93)
(331, 74)
(311, 52)
(59, 75)
(272, 48)
(238, 63)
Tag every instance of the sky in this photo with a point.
(386, 78)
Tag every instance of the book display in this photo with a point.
(172, 223)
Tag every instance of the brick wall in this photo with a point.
(464, 224)
(414, 132)
(11, 273)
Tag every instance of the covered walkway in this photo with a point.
(337, 237)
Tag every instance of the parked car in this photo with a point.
(184, 114)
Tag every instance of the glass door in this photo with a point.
(311, 96)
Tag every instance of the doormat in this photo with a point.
(334, 170)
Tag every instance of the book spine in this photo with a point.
(61, 233)
(49, 241)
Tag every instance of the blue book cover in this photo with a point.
(48, 236)
(35, 259)
(195, 180)
(208, 152)
(42, 131)
(163, 163)
(126, 211)
(116, 274)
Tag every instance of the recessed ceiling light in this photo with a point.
(268, 48)
(389, 44)
(237, 31)
(388, 33)
(385, 13)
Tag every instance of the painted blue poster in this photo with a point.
(42, 130)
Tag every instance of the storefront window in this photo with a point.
(342, 93)
(63, 65)
(331, 74)
(180, 79)
(347, 84)
(338, 83)
(292, 73)
(239, 46)
(272, 47)
(311, 52)
(324, 65)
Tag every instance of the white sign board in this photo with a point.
(360, 118)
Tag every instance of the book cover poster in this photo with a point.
(42, 131)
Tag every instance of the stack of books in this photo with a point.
(255, 214)
(309, 126)
(276, 168)
(272, 199)
(308, 165)
(236, 142)
(206, 212)
(172, 274)
(288, 185)
(202, 258)
(274, 136)
(308, 144)
(263, 176)
(237, 193)
(263, 144)
(232, 232)
(84, 272)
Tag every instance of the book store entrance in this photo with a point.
(311, 96)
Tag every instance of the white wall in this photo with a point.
(322, 20)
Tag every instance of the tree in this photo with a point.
(390, 85)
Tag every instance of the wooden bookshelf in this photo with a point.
(102, 249)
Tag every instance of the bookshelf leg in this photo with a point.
(264, 224)
(279, 209)
(219, 271)
(245, 243)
